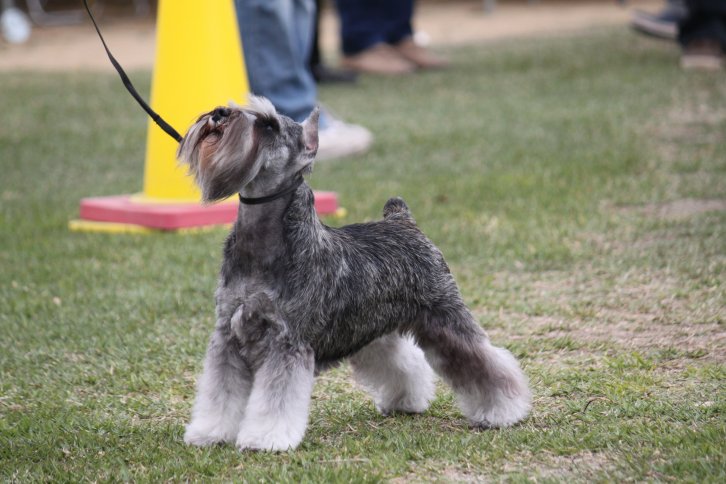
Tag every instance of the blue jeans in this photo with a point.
(276, 38)
(365, 23)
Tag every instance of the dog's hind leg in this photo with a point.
(394, 371)
(222, 393)
(491, 388)
(277, 410)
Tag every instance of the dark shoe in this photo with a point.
(703, 54)
(663, 25)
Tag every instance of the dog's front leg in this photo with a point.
(222, 392)
(277, 410)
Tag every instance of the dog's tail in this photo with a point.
(397, 208)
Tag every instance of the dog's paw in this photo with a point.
(501, 410)
(203, 436)
(501, 400)
(276, 440)
(415, 396)
(410, 404)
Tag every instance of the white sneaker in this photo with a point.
(341, 139)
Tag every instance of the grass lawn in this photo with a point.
(577, 186)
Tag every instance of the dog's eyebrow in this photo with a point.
(257, 114)
(250, 112)
(265, 119)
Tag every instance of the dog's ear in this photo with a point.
(310, 132)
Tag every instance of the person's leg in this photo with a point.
(702, 34)
(365, 23)
(321, 72)
(706, 19)
(397, 20)
(276, 39)
(361, 26)
(364, 32)
(315, 58)
(399, 34)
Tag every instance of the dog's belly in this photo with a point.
(348, 331)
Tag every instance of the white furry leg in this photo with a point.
(504, 400)
(222, 392)
(394, 371)
(277, 410)
(491, 388)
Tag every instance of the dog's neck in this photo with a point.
(258, 242)
(258, 229)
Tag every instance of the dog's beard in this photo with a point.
(222, 158)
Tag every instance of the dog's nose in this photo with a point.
(219, 114)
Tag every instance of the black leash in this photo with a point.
(130, 87)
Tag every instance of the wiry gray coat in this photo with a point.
(295, 294)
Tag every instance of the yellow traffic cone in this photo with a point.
(198, 66)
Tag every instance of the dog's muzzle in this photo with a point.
(219, 115)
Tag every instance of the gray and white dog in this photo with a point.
(296, 296)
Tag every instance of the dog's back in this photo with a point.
(365, 280)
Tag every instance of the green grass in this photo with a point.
(576, 185)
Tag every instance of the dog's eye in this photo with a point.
(269, 124)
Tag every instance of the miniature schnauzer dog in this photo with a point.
(296, 296)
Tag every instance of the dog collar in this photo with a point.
(268, 198)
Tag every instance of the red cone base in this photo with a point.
(124, 209)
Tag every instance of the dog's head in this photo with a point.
(252, 149)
